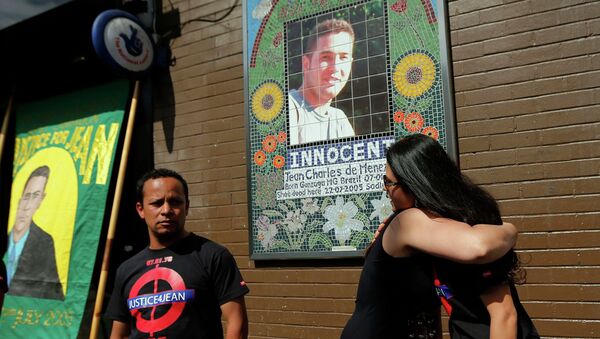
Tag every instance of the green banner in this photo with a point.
(64, 153)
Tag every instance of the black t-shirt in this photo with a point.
(470, 318)
(176, 292)
(395, 298)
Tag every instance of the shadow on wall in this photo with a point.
(164, 103)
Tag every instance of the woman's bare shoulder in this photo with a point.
(410, 215)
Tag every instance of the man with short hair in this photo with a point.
(326, 66)
(30, 259)
(181, 285)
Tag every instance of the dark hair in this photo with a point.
(42, 171)
(422, 166)
(329, 26)
(155, 174)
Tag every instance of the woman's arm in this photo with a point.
(453, 240)
(503, 315)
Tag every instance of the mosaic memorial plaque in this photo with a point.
(329, 86)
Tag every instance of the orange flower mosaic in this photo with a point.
(259, 158)
(398, 117)
(431, 132)
(413, 122)
(278, 161)
(281, 136)
(269, 143)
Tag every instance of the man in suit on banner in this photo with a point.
(31, 260)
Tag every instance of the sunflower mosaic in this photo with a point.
(267, 101)
(414, 74)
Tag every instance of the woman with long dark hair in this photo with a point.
(431, 237)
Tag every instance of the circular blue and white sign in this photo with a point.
(121, 41)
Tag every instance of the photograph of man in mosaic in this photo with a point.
(336, 76)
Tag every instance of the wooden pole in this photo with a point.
(114, 214)
(5, 125)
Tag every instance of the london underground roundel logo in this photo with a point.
(176, 297)
(121, 41)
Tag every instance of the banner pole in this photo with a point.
(5, 125)
(114, 214)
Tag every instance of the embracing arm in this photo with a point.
(494, 240)
(503, 315)
(234, 312)
(453, 240)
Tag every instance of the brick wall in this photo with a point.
(527, 79)
(527, 97)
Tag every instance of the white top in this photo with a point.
(309, 125)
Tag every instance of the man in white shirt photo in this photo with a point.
(326, 67)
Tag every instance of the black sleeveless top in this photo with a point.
(395, 298)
